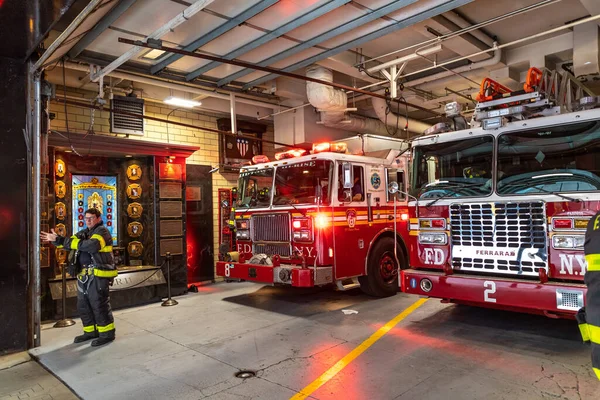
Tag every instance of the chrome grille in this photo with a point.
(270, 228)
(518, 229)
(282, 249)
(569, 299)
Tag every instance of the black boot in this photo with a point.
(85, 337)
(102, 340)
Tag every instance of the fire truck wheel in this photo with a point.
(382, 269)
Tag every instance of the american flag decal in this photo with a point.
(242, 145)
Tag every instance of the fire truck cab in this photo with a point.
(498, 211)
(323, 218)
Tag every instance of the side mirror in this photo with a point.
(393, 187)
(348, 178)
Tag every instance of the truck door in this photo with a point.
(350, 221)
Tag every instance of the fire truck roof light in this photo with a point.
(330, 147)
(290, 154)
(259, 159)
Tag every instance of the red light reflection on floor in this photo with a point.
(204, 287)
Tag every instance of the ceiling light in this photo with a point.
(587, 63)
(178, 101)
(128, 156)
(153, 54)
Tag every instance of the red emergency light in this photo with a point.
(259, 159)
(331, 147)
(562, 223)
(291, 154)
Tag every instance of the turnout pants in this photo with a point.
(93, 304)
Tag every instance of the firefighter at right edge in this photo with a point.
(92, 261)
(588, 317)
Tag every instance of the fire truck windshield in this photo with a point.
(563, 158)
(254, 188)
(461, 168)
(297, 183)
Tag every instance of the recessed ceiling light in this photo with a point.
(178, 101)
(128, 156)
(153, 54)
(587, 63)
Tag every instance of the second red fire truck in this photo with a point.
(499, 211)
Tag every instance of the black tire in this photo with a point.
(382, 270)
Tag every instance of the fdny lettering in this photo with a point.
(434, 256)
(309, 251)
(244, 248)
(567, 261)
(500, 253)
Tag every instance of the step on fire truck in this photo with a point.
(498, 210)
(323, 217)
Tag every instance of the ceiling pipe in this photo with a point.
(494, 60)
(265, 69)
(333, 104)
(175, 86)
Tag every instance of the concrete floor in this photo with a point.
(291, 336)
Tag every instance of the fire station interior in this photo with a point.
(308, 199)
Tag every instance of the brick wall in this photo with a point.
(79, 121)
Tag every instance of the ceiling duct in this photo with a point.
(333, 105)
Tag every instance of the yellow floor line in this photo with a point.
(340, 365)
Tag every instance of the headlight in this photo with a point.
(302, 236)
(568, 242)
(433, 238)
(242, 234)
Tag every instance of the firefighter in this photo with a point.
(588, 317)
(91, 259)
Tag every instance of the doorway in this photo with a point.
(199, 224)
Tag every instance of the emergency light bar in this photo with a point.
(259, 159)
(329, 147)
(291, 154)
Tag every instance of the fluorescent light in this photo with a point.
(587, 63)
(178, 101)
(551, 175)
(153, 54)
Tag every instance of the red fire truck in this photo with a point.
(498, 211)
(323, 218)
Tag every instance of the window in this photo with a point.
(460, 168)
(395, 175)
(563, 158)
(357, 193)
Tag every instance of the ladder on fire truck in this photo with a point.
(545, 92)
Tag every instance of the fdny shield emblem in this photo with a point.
(243, 146)
(351, 218)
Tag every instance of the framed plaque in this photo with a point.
(60, 168)
(60, 210)
(135, 249)
(61, 229)
(171, 228)
(134, 172)
(135, 229)
(60, 189)
(193, 193)
(173, 246)
(169, 190)
(170, 209)
(134, 210)
(134, 191)
(170, 171)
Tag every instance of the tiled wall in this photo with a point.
(79, 121)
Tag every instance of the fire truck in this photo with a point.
(320, 217)
(498, 210)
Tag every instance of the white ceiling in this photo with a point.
(145, 16)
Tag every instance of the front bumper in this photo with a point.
(282, 274)
(550, 298)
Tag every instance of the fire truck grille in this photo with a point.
(271, 228)
(281, 249)
(515, 233)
